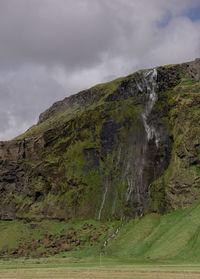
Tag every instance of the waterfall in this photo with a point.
(111, 237)
(134, 173)
(103, 201)
(149, 84)
(135, 176)
(118, 158)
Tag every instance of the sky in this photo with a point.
(50, 49)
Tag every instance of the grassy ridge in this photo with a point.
(60, 117)
(50, 237)
(173, 237)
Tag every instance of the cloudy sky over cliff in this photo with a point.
(50, 49)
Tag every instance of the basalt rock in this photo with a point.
(117, 150)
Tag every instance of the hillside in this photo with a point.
(174, 238)
(118, 150)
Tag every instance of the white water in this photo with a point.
(111, 237)
(106, 189)
(149, 84)
(103, 201)
(134, 175)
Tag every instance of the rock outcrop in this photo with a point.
(117, 150)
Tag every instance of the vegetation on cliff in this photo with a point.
(154, 238)
(120, 149)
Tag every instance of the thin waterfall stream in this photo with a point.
(110, 238)
(150, 82)
(103, 201)
(137, 184)
(134, 172)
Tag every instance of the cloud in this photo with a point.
(71, 33)
(179, 42)
(53, 48)
(24, 94)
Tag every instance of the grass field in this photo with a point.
(174, 237)
(89, 268)
(151, 247)
(101, 274)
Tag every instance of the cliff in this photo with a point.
(120, 149)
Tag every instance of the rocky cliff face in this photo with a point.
(118, 149)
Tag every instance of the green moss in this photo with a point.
(184, 128)
(196, 168)
(73, 169)
(158, 196)
(193, 112)
(29, 238)
(187, 82)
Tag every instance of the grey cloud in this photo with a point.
(24, 95)
(72, 33)
(50, 49)
(77, 33)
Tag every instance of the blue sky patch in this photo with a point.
(194, 13)
(164, 22)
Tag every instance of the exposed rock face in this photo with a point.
(85, 99)
(194, 69)
(105, 152)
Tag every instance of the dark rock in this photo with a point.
(93, 157)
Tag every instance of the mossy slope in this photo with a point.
(174, 236)
(179, 186)
(90, 155)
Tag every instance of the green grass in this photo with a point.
(140, 272)
(111, 268)
(151, 247)
(172, 238)
(91, 235)
(187, 82)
